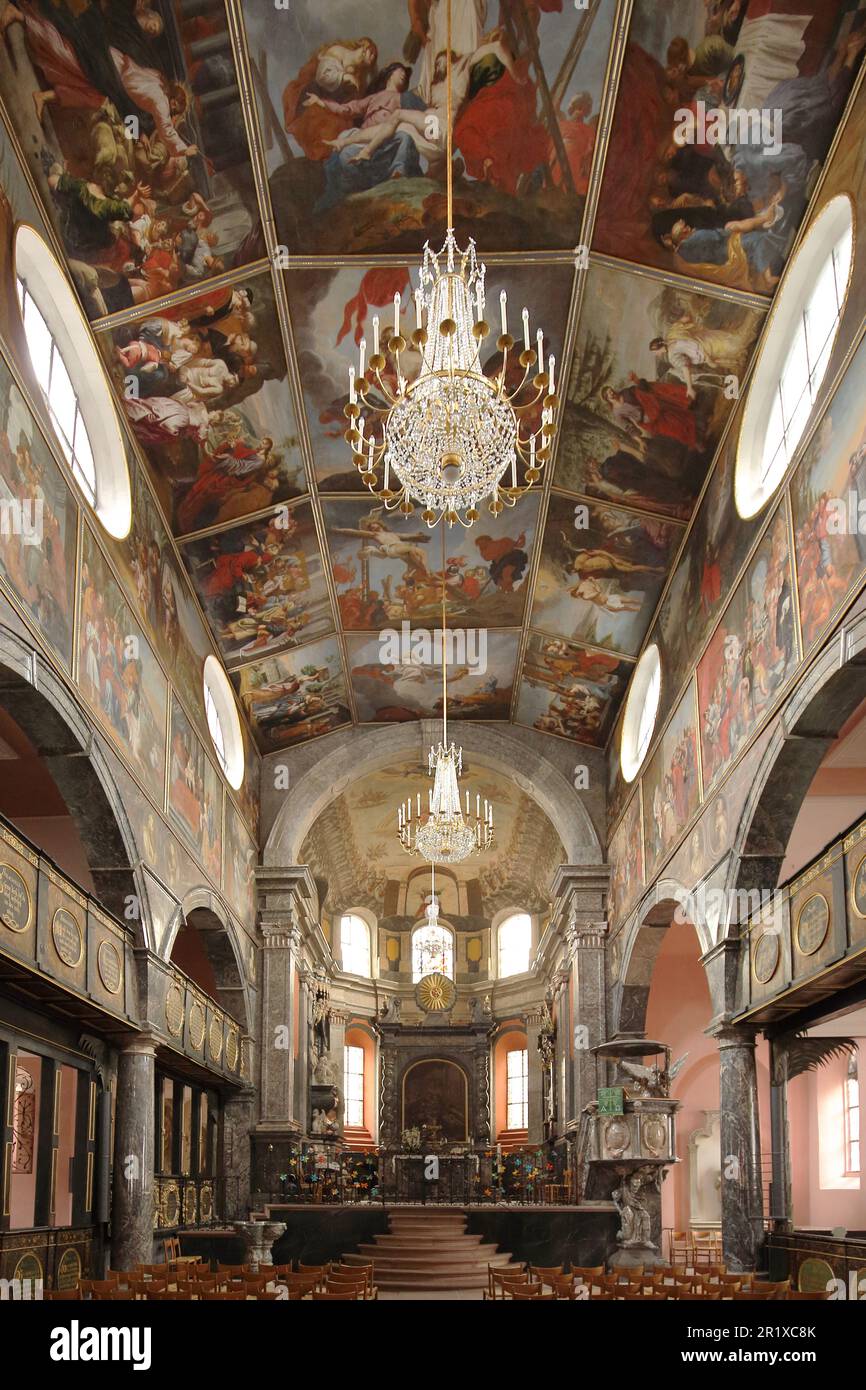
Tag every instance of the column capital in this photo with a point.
(141, 1044)
(728, 1034)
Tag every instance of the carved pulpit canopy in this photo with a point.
(639, 1078)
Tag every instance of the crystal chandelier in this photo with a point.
(444, 833)
(448, 437)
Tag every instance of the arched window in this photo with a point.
(432, 951)
(640, 712)
(223, 722)
(71, 376)
(794, 356)
(514, 942)
(355, 945)
(353, 1080)
(852, 1118)
(517, 1089)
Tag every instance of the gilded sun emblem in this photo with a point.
(435, 993)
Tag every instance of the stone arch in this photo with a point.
(44, 708)
(639, 944)
(202, 912)
(352, 757)
(826, 697)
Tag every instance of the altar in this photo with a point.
(431, 1177)
(435, 1078)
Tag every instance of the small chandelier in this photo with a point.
(445, 833)
(451, 435)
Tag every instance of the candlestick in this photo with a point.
(551, 363)
(396, 314)
(352, 385)
(376, 335)
(363, 356)
(526, 329)
(539, 338)
(418, 308)
(504, 312)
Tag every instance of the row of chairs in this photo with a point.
(195, 1280)
(591, 1282)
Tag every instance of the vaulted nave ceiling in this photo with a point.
(231, 254)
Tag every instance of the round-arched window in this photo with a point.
(432, 951)
(641, 709)
(71, 376)
(794, 356)
(355, 945)
(514, 942)
(223, 722)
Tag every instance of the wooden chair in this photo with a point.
(236, 1271)
(362, 1281)
(730, 1284)
(744, 1297)
(98, 1287)
(320, 1272)
(547, 1273)
(602, 1297)
(778, 1290)
(587, 1271)
(536, 1295)
(346, 1297)
(795, 1295)
(204, 1286)
(153, 1271)
(704, 1297)
(235, 1296)
(171, 1249)
(565, 1287)
(497, 1279)
(62, 1296)
(142, 1288)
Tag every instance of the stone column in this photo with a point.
(781, 1211)
(238, 1119)
(336, 1053)
(742, 1195)
(133, 1185)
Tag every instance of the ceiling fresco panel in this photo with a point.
(296, 696)
(395, 680)
(725, 212)
(204, 388)
(388, 568)
(130, 118)
(569, 690)
(601, 573)
(654, 378)
(261, 585)
(352, 103)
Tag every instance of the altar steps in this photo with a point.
(430, 1250)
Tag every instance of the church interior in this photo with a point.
(432, 652)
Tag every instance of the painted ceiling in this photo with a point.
(231, 244)
(358, 860)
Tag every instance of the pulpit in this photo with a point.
(628, 1140)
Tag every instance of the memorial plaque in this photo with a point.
(67, 938)
(232, 1048)
(815, 1276)
(174, 1010)
(110, 966)
(813, 923)
(196, 1025)
(215, 1040)
(765, 958)
(858, 888)
(68, 1270)
(16, 904)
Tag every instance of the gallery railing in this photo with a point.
(326, 1174)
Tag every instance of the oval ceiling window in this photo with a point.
(794, 356)
(223, 722)
(72, 379)
(641, 709)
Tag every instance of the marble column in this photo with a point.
(740, 1143)
(781, 1211)
(133, 1182)
(237, 1121)
(279, 1024)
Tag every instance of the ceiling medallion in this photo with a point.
(450, 434)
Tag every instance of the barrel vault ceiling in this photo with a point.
(230, 250)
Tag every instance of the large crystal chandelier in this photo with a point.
(443, 832)
(451, 436)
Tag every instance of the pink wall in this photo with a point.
(678, 1011)
(66, 1145)
(359, 1037)
(512, 1041)
(822, 1195)
(23, 1195)
(58, 837)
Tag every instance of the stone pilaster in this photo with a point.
(288, 908)
(580, 893)
(536, 1070)
(740, 1142)
(780, 1141)
(134, 1124)
(238, 1120)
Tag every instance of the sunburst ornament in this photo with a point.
(452, 436)
(435, 994)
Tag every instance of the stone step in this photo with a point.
(430, 1279)
(418, 1242)
(485, 1254)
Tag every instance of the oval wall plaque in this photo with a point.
(174, 1010)
(67, 938)
(109, 965)
(16, 905)
(813, 923)
(766, 957)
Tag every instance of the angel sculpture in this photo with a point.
(652, 1081)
